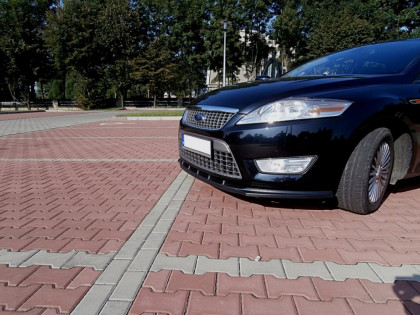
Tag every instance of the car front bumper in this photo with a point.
(235, 188)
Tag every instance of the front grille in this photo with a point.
(222, 163)
(212, 120)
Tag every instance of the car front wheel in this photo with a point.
(367, 173)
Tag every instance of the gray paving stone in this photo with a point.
(249, 267)
(10, 127)
(116, 308)
(229, 266)
(96, 261)
(15, 259)
(129, 249)
(151, 219)
(171, 213)
(55, 260)
(390, 274)
(141, 233)
(143, 260)
(128, 286)
(94, 300)
(163, 226)
(154, 241)
(184, 189)
(358, 271)
(114, 272)
(175, 205)
(185, 264)
(159, 209)
(315, 269)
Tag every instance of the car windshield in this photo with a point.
(385, 58)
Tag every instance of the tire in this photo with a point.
(367, 173)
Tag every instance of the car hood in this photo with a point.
(249, 96)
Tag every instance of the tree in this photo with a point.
(74, 37)
(289, 30)
(183, 36)
(154, 69)
(338, 31)
(22, 45)
(255, 16)
(220, 11)
(119, 39)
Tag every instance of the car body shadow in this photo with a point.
(407, 289)
(405, 185)
(326, 204)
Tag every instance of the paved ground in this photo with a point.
(97, 218)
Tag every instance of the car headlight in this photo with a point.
(294, 109)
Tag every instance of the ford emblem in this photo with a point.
(199, 117)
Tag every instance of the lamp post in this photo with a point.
(225, 25)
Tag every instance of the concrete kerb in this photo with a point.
(121, 280)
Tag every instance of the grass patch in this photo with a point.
(156, 113)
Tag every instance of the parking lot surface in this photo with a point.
(96, 217)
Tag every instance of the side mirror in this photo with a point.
(263, 77)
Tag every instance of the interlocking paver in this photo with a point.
(314, 269)
(390, 274)
(113, 272)
(351, 288)
(272, 267)
(229, 266)
(389, 308)
(254, 285)
(97, 296)
(42, 257)
(209, 250)
(305, 306)
(186, 264)
(13, 297)
(303, 286)
(206, 283)
(59, 278)
(93, 187)
(128, 286)
(199, 304)
(360, 270)
(281, 306)
(156, 302)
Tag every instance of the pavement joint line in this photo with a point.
(287, 269)
(55, 260)
(127, 270)
(61, 138)
(23, 126)
(86, 160)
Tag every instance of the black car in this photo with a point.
(343, 126)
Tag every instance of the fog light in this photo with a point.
(293, 165)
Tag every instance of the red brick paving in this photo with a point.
(38, 288)
(175, 292)
(70, 205)
(218, 225)
(62, 206)
(26, 115)
(90, 206)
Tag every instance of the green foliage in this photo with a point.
(154, 69)
(22, 46)
(306, 29)
(120, 33)
(119, 48)
(55, 90)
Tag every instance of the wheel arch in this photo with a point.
(399, 126)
